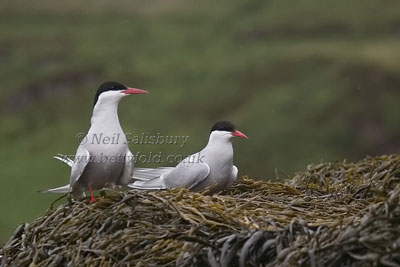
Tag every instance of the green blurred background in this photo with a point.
(307, 81)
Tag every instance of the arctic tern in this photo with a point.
(210, 168)
(99, 163)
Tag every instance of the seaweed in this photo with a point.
(333, 214)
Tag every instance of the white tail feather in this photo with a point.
(146, 174)
(156, 183)
(58, 190)
(64, 159)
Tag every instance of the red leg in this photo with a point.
(91, 195)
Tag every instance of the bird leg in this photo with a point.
(91, 195)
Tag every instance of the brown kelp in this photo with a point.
(333, 214)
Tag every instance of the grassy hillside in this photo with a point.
(306, 81)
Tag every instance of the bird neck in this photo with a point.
(220, 145)
(105, 115)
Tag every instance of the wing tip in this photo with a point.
(143, 186)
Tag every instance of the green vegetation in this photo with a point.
(305, 80)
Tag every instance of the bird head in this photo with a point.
(226, 130)
(115, 91)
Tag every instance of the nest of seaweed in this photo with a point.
(334, 214)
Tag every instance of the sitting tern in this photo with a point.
(103, 158)
(211, 167)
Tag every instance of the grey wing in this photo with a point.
(186, 175)
(145, 174)
(127, 172)
(82, 158)
(149, 178)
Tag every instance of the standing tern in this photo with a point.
(211, 167)
(103, 158)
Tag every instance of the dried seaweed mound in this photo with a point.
(371, 179)
(334, 214)
(372, 241)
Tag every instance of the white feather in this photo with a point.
(64, 159)
(145, 174)
(58, 190)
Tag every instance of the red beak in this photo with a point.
(239, 134)
(131, 91)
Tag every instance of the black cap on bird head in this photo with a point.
(109, 86)
(223, 126)
(228, 126)
(116, 86)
